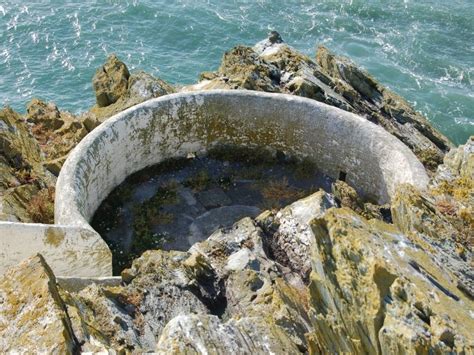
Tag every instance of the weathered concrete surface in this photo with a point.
(175, 125)
(69, 251)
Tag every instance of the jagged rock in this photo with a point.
(22, 175)
(19, 149)
(254, 285)
(460, 161)
(110, 81)
(309, 278)
(289, 236)
(449, 238)
(33, 317)
(242, 68)
(370, 99)
(441, 218)
(374, 291)
(143, 86)
(159, 286)
(57, 132)
(347, 196)
(273, 66)
(210, 220)
(455, 177)
(191, 334)
(117, 90)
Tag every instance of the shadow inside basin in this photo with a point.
(179, 202)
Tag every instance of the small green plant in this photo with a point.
(226, 181)
(41, 206)
(199, 182)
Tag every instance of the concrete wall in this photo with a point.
(174, 125)
(67, 250)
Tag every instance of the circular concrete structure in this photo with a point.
(371, 159)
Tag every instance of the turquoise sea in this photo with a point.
(422, 49)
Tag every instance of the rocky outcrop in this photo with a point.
(33, 149)
(110, 82)
(56, 132)
(442, 218)
(311, 277)
(373, 290)
(191, 334)
(25, 184)
(33, 318)
(116, 90)
(225, 281)
(383, 107)
(274, 66)
(289, 237)
(455, 178)
(347, 196)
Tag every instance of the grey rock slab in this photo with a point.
(221, 217)
(206, 334)
(213, 198)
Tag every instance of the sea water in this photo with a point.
(421, 49)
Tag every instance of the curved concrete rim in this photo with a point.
(373, 160)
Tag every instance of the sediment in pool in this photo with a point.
(178, 202)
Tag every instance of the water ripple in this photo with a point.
(422, 49)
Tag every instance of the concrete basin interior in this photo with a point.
(179, 202)
(173, 127)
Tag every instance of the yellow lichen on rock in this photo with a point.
(372, 292)
(116, 90)
(33, 318)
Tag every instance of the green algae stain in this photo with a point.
(54, 237)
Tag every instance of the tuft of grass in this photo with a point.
(199, 182)
(41, 206)
(25, 176)
(278, 192)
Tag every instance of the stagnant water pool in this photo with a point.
(179, 202)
